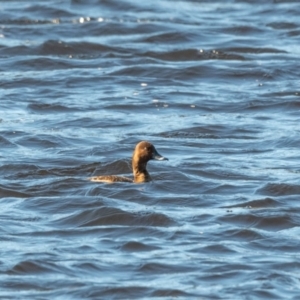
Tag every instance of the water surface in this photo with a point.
(214, 85)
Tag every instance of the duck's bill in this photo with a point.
(157, 156)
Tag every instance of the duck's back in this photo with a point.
(110, 179)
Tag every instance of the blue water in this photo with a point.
(214, 85)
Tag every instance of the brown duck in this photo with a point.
(143, 152)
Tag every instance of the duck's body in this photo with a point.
(110, 179)
(144, 151)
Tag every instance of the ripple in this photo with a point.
(260, 203)
(6, 192)
(283, 25)
(41, 141)
(192, 55)
(47, 108)
(254, 50)
(212, 132)
(279, 189)
(217, 249)
(105, 216)
(134, 246)
(74, 48)
(244, 235)
(264, 221)
(31, 267)
(6, 143)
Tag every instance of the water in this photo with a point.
(214, 85)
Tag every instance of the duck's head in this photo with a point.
(145, 151)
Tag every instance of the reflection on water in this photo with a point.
(213, 85)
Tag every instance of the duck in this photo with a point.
(143, 152)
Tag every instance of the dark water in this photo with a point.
(214, 85)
